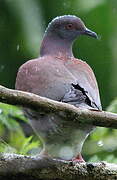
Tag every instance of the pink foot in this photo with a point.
(78, 159)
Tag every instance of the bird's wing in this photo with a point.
(86, 82)
(79, 97)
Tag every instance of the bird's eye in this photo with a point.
(69, 26)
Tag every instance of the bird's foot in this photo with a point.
(78, 159)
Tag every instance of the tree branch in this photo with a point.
(21, 167)
(35, 102)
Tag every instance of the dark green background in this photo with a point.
(22, 24)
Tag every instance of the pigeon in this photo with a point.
(58, 75)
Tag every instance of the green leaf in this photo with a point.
(28, 145)
(113, 106)
(9, 115)
(94, 158)
(23, 144)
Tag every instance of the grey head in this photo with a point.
(69, 27)
(63, 30)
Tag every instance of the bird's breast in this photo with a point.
(62, 137)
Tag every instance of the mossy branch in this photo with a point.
(21, 167)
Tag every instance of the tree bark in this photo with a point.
(21, 167)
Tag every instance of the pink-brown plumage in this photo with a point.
(58, 75)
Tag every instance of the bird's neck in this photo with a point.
(56, 47)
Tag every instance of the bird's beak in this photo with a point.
(88, 32)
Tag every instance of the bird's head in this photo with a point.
(68, 27)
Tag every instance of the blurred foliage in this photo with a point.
(113, 106)
(103, 142)
(22, 24)
(12, 137)
(7, 112)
